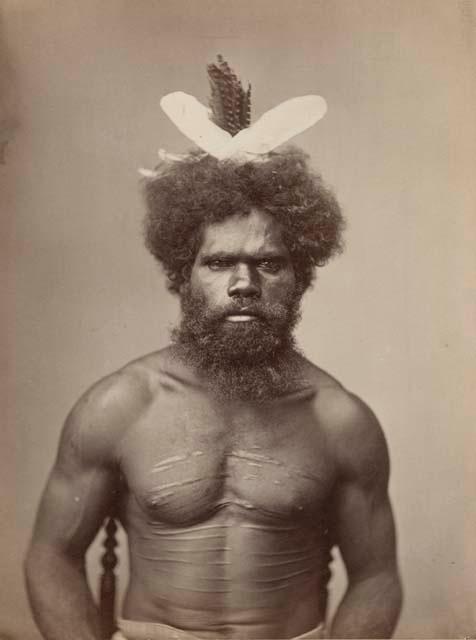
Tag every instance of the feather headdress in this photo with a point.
(224, 131)
(229, 102)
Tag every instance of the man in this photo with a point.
(234, 464)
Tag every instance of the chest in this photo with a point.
(183, 464)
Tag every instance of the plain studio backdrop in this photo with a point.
(391, 318)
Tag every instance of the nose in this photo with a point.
(244, 282)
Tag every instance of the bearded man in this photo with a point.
(233, 463)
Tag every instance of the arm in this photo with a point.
(81, 490)
(365, 531)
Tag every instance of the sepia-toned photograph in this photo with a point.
(239, 275)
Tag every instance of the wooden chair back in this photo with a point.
(107, 584)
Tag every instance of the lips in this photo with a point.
(241, 318)
(242, 315)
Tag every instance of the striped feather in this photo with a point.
(229, 102)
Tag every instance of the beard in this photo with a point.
(251, 360)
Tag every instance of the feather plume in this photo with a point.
(192, 119)
(278, 125)
(224, 130)
(229, 102)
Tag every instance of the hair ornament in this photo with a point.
(224, 130)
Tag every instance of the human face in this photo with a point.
(243, 263)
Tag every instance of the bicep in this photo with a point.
(72, 509)
(364, 523)
(365, 530)
(79, 492)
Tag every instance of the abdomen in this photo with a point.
(236, 570)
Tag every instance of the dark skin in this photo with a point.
(230, 507)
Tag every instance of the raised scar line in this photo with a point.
(275, 553)
(264, 527)
(286, 577)
(245, 455)
(209, 550)
(172, 586)
(180, 561)
(183, 539)
(283, 562)
(169, 461)
(216, 579)
(193, 530)
(182, 483)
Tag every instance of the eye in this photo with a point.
(271, 265)
(219, 263)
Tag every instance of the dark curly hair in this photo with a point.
(186, 196)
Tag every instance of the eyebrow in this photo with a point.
(230, 255)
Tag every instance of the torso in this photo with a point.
(226, 513)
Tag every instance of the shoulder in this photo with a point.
(100, 418)
(354, 435)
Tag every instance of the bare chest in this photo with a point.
(187, 465)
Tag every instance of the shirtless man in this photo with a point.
(233, 463)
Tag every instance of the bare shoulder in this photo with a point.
(104, 413)
(355, 436)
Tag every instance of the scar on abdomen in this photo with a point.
(207, 550)
(286, 577)
(195, 577)
(217, 563)
(185, 530)
(277, 553)
(188, 538)
(265, 527)
(311, 556)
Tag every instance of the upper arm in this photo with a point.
(84, 482)
(364, 525)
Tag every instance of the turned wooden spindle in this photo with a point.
(107, 589)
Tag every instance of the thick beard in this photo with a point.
(255, 360)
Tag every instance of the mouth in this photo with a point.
(241, 317)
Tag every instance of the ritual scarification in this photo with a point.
(207, 556)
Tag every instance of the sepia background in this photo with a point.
(392, 318)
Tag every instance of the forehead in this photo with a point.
(250, 234)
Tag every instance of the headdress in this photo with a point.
(224, 130)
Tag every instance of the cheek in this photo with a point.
(211, 287)
(281, 289)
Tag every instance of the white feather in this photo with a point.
(192, 118)
(278, 125)
(147, 173)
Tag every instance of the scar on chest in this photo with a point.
(250, 458)
(188, 481)
(170, 463)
